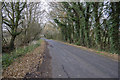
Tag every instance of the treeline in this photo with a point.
(93, 25)
(20, 23)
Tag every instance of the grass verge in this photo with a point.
(9, 58)
(114, 57)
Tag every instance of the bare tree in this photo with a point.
(13, 19)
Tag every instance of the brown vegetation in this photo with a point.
(25, 64)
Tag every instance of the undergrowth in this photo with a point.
(9, 58)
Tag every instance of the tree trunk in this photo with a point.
(0, 27)
(12, 42)
(115, 28)
(0, 39)
(97, 27)
(87, 28)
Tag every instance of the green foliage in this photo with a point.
(84, 25)
(9, 58)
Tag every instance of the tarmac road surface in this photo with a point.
(72, 62)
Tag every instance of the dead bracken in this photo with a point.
(25, 64)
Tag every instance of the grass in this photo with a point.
(9, 58)
(99, 52)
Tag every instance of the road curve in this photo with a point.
(71, 62)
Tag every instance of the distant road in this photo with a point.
(71, 62)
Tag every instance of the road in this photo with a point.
(72, 62)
